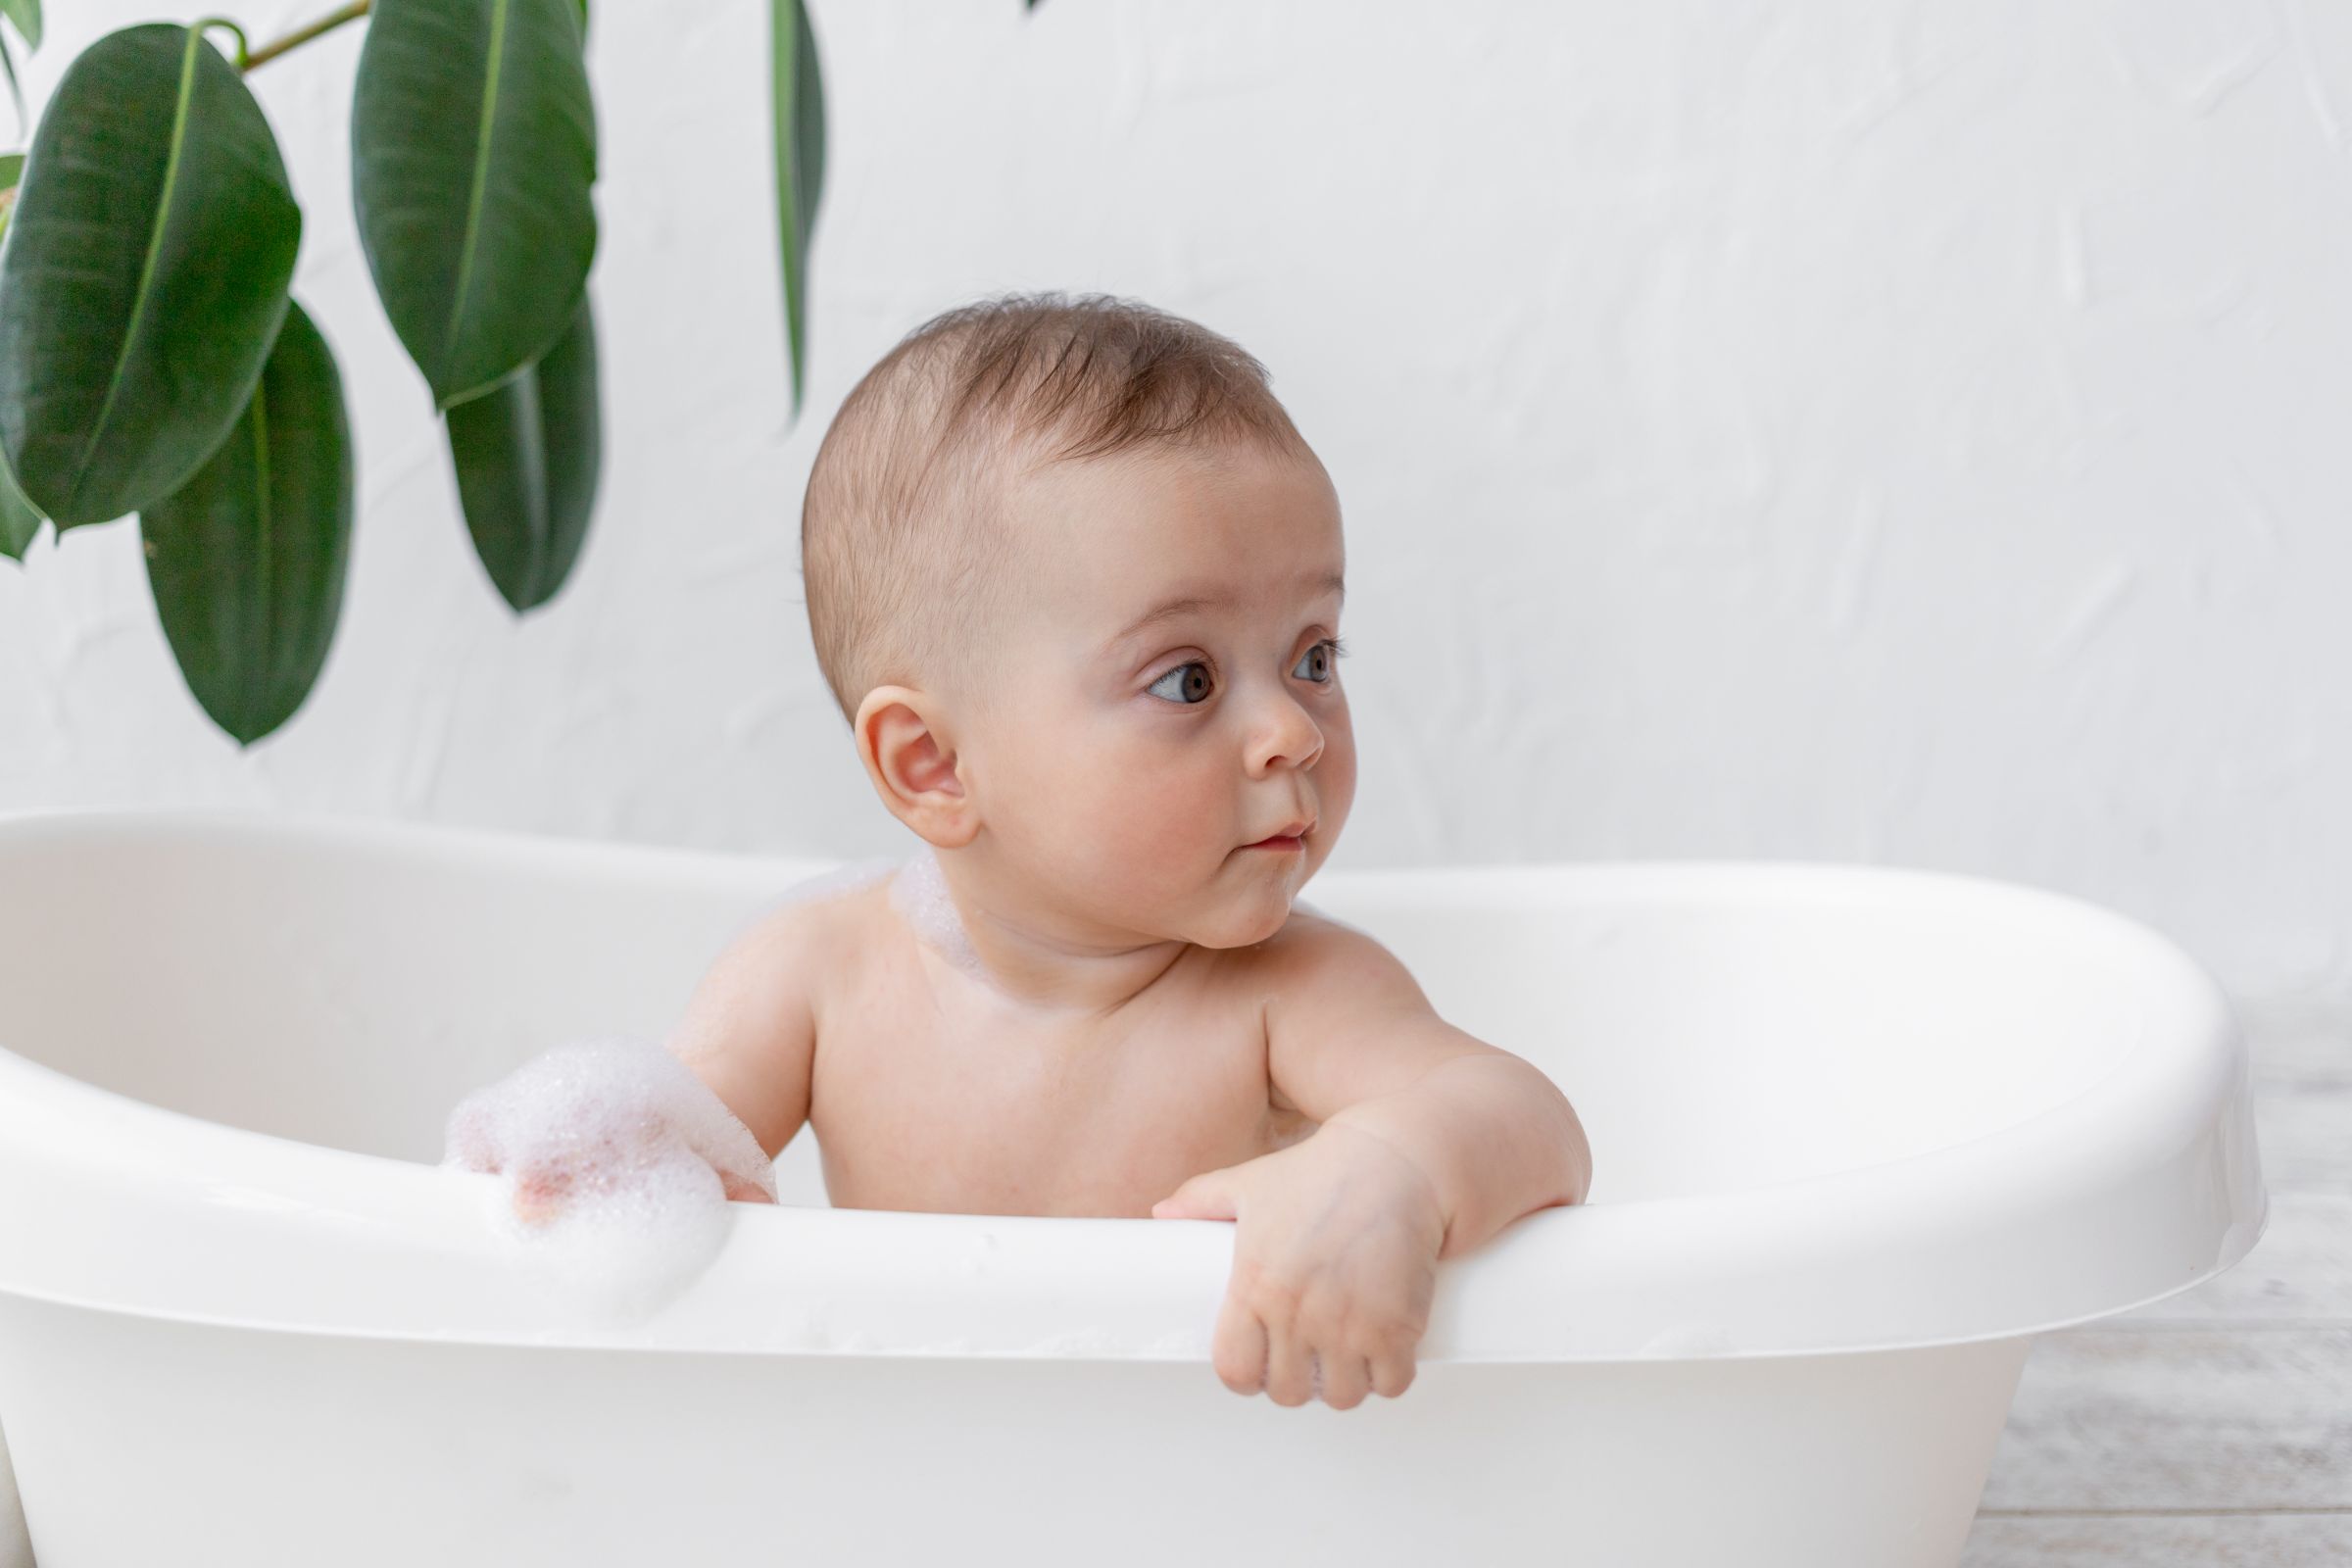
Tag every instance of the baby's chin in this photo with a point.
(1240, 920)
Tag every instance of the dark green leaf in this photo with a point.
(19, 518)
(247, 559)
(796, 95)
(526, 457)
(144, 276)
(27, 15)
(472, 150)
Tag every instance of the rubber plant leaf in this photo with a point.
(27, 15)
(796, 95)
(473, 150)
(19, 518)
(144, 276)
(16, 88)
(11, 168)
(527, 457)
(247, 559)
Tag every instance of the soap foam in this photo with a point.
(919, 895)
(841, 879)
(615, 1148)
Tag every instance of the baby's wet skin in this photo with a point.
(935, 1090)
(1009, 1107)
(1094, 994)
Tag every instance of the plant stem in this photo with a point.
(301, 35)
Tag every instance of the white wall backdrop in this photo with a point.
(1849, 431)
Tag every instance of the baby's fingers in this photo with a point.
(1392, 1370)
(1289, 1370)
(1238, 1349)
(540, 1192)
(740, 1190)
(1342, 1377)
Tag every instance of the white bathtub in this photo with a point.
(1859, 1134)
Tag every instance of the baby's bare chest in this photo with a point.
(919, 1107)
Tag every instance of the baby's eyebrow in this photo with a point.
(1170, 609)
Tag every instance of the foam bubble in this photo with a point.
(841, 879)
(611, 1152)
(919, 895)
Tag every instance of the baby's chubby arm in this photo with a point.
(746, 1038)
(749, 1030)
(1431, 1142)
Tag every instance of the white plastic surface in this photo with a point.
(1832, 1108)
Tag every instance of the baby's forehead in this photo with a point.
(1154, 544)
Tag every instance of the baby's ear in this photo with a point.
(911, 757)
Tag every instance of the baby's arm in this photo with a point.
(729, 1087)
(1353, 1041)
(749, 1030)
(1430, 1140)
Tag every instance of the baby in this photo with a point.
(1075, 579)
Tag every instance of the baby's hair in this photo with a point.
(904, 529)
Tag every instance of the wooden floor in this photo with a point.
(2213, 1430)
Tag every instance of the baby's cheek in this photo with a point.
(1335, 782)
(1186, 825)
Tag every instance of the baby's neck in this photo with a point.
(1024, 960)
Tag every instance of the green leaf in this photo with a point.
(144, 276)
(473, 148)
(796, 95)
(526, 457)
(16, 89)
(19, 518)
(247, 558)
(27, 15)
(12, 167)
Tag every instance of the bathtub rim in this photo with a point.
(2210, 1040)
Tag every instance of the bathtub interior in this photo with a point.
(1715, 1031)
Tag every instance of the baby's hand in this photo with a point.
(541, 1190)
(1334, 1267)
(544, 1184)
(593, 1115)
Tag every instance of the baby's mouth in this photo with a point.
(1292, 838)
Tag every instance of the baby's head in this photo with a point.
(1074, 580)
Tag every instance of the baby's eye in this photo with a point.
(1191, 684)
(1316, 665)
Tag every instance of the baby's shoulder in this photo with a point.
(1313, 949)
(818, 925)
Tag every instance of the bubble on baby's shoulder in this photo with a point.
(609, 1153)
(919, 895)
(838, 880)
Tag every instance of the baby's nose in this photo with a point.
(1289, 735)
